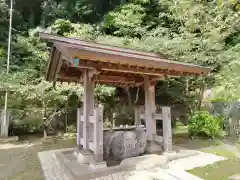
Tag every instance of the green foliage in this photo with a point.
(3, 21)
(71, 129)
(198, 32)
(29, 53)
(84, 31)
(61, 26)
(103, 93)
(126, 20)
(23, 122)
(83, 11)
(203, 124)
(124, 115)
(179, 124)
(227, 86)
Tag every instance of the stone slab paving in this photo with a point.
(202, 159)
(154, 174)
(182, 175)
(53, 170)
(235, 177)
(51, 167)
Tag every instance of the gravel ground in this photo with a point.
(19, 161)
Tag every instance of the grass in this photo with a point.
(180, 130)
(220, 170)
(20, 160)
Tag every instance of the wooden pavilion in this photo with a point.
(74, 60)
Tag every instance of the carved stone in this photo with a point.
(124, 144)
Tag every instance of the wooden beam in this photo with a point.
(122, 79)
(128, 69)
(57, 70)
(57, 57)
(50, 61)
(152, 80)
(53, 64)
(99, 79)
(69, 79)
(64, 51)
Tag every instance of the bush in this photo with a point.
(203, 124)
(71, 129)
(179, 124)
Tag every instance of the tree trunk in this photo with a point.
(45, 132)
(202, 89)
(129, 96)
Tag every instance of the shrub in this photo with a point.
(203, 124)
(179, 124)
(71, 129)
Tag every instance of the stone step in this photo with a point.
(181, 174)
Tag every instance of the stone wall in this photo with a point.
(119, 145)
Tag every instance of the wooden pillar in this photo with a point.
(149, 108)
(167, 129)
(88, 103)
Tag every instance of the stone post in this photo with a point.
(98, 162)
(98, 135)
(85, 155)
(79, 128)
(167, 129)
(4, 124)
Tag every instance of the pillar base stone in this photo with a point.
(98, 165)
(153, 147)
(84, 156)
